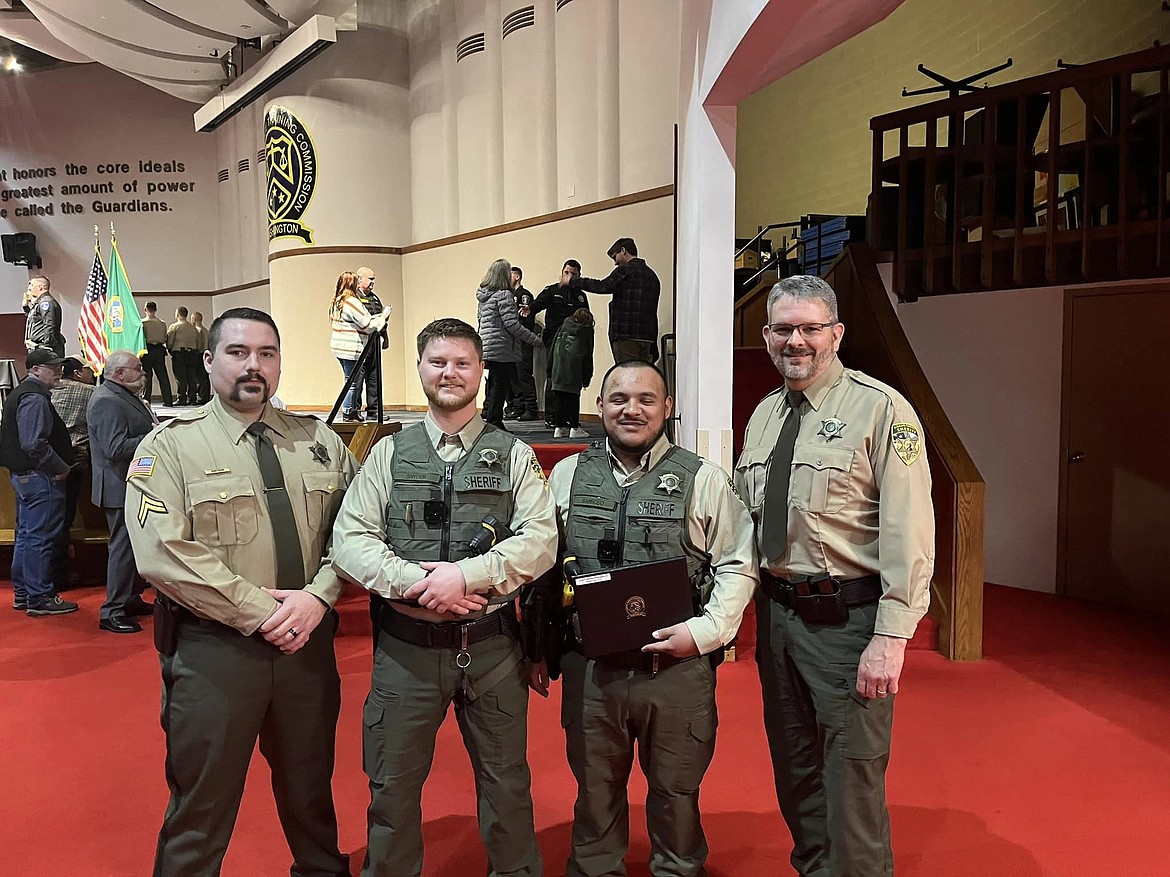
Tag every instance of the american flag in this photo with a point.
(93, 314)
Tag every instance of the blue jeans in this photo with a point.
(40, 518)
(353, 399)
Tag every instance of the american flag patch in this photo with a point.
(143, 466)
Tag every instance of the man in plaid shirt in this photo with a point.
(70, 397)
(633, 312)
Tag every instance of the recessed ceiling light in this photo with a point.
(245, 27)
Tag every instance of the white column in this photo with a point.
(544, 72)
(608, 100)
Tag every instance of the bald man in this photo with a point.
(371, 371)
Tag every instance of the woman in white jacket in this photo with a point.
(351, 325)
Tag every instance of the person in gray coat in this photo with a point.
(118, 420)
(502, 334)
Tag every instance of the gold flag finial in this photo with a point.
(113, 234)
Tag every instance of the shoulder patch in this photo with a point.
(537, 469)
(143, 467)
(45, 306)
(907, 441)
(148, 505)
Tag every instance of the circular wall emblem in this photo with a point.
(292, 174)
(635, 608)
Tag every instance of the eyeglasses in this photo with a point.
(806, 330)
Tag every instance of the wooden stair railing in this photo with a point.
(876, 343)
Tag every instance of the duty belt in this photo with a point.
(644, 662)
(854, 592)
(446, 634)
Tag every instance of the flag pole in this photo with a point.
(113, 234)
(97, 240)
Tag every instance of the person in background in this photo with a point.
(119, 419)
(42, 326)
(502, 334)
(350, 327)
(633, 311)
(154, 361)
(35, 449)
(183, 341)
(561, 300)
(369, 375)
(572, 370)
(202, 378)
(70, 397)
(521, 402)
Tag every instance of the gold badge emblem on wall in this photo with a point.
(292, 174)
(907, 441)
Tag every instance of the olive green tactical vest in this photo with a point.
(648, 518)
(478, 484)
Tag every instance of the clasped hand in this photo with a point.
(299, 611)
(444, 590)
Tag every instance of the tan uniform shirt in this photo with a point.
(362, 555)
(198, 520)
(201, 342)
(719, 526)
(859, 496)
(154, 330)
(182, 335)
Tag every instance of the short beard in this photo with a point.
(446, 403)
(793, 372)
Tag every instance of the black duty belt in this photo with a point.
(854, 592)
(643, 662)
(446, 634)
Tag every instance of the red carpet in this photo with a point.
(1048, 759)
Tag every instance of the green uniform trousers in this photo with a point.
(829, 745)
(411, 690)
(221, 691)
(672, 718)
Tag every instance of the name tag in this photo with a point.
(484, 481)
(595, 502)
(658, 508)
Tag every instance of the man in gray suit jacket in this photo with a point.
(118, 420)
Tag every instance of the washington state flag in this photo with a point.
(123, 325)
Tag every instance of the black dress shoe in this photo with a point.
(138, 607)
(120, 624)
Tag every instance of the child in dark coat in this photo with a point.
(572, 370)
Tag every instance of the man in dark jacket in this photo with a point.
(633, 312)
(118, 421)
(561, 300)
(42, 327)
(521, 402)
(35, 448)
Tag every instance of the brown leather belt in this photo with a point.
(446, 634)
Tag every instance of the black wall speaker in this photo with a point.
(21, 249)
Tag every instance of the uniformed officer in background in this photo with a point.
(42, 324)
(675, 504)
(229, 509)
(444, 625)
(154, 361)
(183, 343)
(834, 472)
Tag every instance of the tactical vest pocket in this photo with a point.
(820, 478)
(224, 511)
(323, 492)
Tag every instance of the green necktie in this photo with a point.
(775, 526)
(290, 562)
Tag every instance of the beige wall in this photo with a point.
(255, 297)
(803, 144)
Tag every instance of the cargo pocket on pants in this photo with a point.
(868, 722)
(374, 715)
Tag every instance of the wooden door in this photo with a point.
(1115, 513)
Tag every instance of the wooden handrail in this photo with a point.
(1070, 77)
(876, 343)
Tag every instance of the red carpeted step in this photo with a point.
(550, 455)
